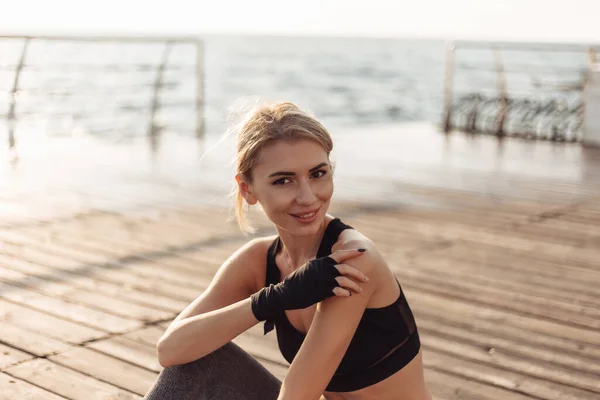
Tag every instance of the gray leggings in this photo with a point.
(225, 374)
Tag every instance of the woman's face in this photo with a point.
(293, 183)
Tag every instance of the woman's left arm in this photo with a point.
(330, 333)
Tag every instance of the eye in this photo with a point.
(319, 174)
(281, 181)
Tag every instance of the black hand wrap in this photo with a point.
(309, 284)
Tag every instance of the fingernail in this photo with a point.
(362, 250)
(366, 279)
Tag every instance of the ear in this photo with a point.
(246, 190)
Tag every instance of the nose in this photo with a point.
(305, 194)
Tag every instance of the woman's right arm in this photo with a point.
(220, 314)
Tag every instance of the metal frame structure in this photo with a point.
(501, 103)
(168, 41)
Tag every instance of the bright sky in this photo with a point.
(545, 20)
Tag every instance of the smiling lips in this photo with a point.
(306, 215)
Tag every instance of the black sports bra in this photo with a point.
(385, 340)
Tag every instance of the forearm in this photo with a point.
(195, 337)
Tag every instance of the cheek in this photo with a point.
(325, 189)
(276, 199)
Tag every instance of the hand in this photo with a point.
(313, 282)
(346, 285)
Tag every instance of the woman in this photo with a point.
(341, 318)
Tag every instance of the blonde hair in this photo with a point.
(263, 125)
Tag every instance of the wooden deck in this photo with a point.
(497, 247)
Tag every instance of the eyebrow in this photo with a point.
(286, 173)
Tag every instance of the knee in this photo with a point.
(180, 370)
(227, 351)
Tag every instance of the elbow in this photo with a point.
(165, 353)
(162, 355)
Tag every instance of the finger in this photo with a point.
(349, 270)
(349, 284)
(342, 255)
(338, 291)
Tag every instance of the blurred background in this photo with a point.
(466, 141)
(348, 64)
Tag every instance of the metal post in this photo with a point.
(152, 128)
(448, 86)
(13, 98)
(503, 97)
(200, 89)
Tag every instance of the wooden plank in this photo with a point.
(550, 232)
(67, 382)
(496, 330)
(14, 388)
(176, 276)
(107, 369)
(122, 265)
(63, 282)
(148, 335)
(463, 309)
(214, 224)
(107, 273)
(445, 386)
(505, 360)
(504, 271)
(49, 325)
(181, 268)
(539, 249)
(122, 348)
(118, 307)
(587, 227)
(447, 286)
(30, 342)
(494, 344)
(530, 263)
(68, 311)
(581, 216)
(127, 239)
(513, 381)
(10, 356)
(476, 197)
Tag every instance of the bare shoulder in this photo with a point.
(372, 264)
(250, 261)
(353, 239)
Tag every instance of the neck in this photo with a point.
(297, 250)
